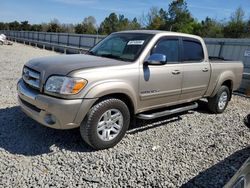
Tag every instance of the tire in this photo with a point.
(1, 42)
(247, 120)
(105, 124)
(219, 102)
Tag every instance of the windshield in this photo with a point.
(121, 46)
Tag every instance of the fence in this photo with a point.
(234, 49)
(67, 42)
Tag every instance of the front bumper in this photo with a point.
(50, 111)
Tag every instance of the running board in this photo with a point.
(167, 112)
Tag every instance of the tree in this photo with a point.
(14, 25)
(236, 27)
(67, 28)
(4, 26)
(36, 27)
(134, 24)
(79, 29)
(179, 17)
(114, 23)
(88, 26)
(54, 26)
(123, 23)
(110, 24)
(209, 28)
(176, 18)
(25, 26)
(248, 29)
(156, 19)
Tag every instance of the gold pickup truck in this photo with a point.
(129, 74)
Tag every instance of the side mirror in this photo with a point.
(156, 59)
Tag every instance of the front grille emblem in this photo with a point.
(31, 77)
(27, 75)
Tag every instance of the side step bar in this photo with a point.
(167, 112)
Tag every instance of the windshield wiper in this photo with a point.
(112, 56)
(90, 53)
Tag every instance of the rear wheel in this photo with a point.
(219, 102)
(105, 124)
(1, 42)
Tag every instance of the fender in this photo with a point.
(227, 75)
(113, 87)
(100, 90)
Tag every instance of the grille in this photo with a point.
(31, 77)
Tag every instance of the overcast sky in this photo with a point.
(74, 11)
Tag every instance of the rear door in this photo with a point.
(196, 71)
(161, 85)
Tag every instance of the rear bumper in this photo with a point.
(52, 112)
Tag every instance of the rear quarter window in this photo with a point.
(192, 51)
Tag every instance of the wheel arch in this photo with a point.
(121, 96)
(226, 79)
(121, 90)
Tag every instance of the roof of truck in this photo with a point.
(155, 32)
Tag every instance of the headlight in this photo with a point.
(65, 85)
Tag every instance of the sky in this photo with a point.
(74, 11)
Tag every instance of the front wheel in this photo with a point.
(219, 102)
(105, 124)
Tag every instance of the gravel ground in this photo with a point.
(195, 149)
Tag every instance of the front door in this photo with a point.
(160, 85)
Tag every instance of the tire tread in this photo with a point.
(85, 128)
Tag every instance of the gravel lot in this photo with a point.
(195, 149)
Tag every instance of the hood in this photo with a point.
(64, 64)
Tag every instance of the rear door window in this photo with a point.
(192, 51)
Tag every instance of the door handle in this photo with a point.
(205, 70)
(175, 72)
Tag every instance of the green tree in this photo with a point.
(209, 28)
(123, 23)
(88, 26)
(154, 19)
(157, 18)
(36, 27)
(134, 24)
(54, 26)
(248, 28)
(179, 18)
(79, 29)
(25, 26)
(114, 23)
(110, 24)
(236, 27)
(67, 28)
(14, 25)
(4, 26)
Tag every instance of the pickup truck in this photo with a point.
(128, 75)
